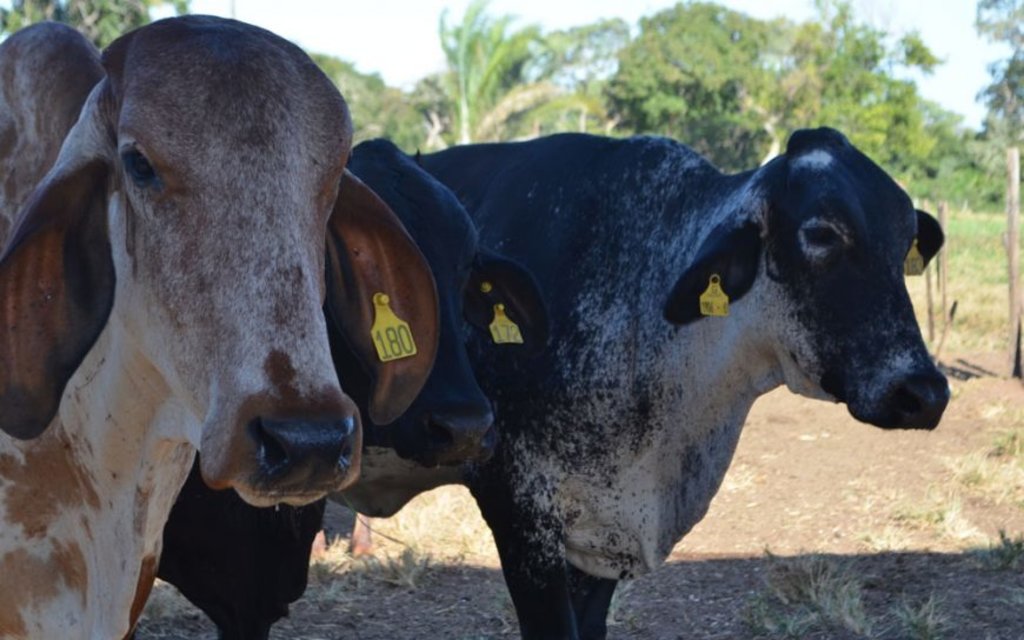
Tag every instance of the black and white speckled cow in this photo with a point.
(616, 441)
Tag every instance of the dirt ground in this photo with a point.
(824, 529)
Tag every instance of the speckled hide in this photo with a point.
(615, 443)
(161, 291)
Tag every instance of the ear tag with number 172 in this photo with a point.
(714, 302)
(391, 335)
(503, 330)
(913, 265)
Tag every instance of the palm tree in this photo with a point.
(488, 63)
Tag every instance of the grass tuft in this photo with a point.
(923, 622)
(808, 592)
(1007, 554)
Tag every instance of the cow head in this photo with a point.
(189, 207)
(451, 420)
(817, 255)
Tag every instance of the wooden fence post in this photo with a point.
(943, 259)
(1013, 253)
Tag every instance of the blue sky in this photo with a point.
(398, 38)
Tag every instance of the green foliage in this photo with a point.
(377, 110)
(487, 58)
(734, 88)
(101, 21)
(699, 73)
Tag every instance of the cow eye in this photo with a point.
(821, 242)
(821, 237)
(138, 168)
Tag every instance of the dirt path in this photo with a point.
(871, 534)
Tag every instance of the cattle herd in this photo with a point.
(215, 314)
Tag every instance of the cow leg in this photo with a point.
(591, 599)
(537, 583)
(361, 542)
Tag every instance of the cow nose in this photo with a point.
(460, 436)
(301, 456)
(920, 400)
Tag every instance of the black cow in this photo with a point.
(615, 443)
(242, 565)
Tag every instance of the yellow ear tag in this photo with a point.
(714, 302)
(503, 330)
(913, 265)
(391, 335)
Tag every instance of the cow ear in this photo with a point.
(56, 281)
(929, 235)
(373, 266)
(731, 253)
(496, 280)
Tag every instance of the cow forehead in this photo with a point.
(846, 187)
(190, 83)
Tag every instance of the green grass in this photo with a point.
(923, 622)
(978, 280)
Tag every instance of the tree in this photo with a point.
(1003, 21)
(487, 64)
(734, 87)
(378, 111)
(697, 72)
(101, 21)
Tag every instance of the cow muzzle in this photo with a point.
(913, 401)
(445, 437)
(304, 457)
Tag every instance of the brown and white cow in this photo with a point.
(161, 291)
(46, 73)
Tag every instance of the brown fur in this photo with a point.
(215, 315)
(370, 252)
(40, 94)
(147, 575)
(33, 504)
(35, 580)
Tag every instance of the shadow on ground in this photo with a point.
(893, 595)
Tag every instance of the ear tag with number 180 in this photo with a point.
(714, 302)
(391, 335)
(913, 265)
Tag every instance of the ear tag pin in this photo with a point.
(503, 330)
(391, 335)
(714, 302)
(913, 265)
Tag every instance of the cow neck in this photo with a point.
(115, 477)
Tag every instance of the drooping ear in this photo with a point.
(56, 281)
(929, 236)
(370, 253)
(497, 280)
(733, 253)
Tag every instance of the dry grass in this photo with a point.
(941, 513)
(977, 280)
(446, 521)
(808, 592)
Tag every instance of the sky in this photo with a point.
(399, 38)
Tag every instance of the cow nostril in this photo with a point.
(438, 433)
(272, 451)
(348, 427)
(907, 402)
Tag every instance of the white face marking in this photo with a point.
(817, 160)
